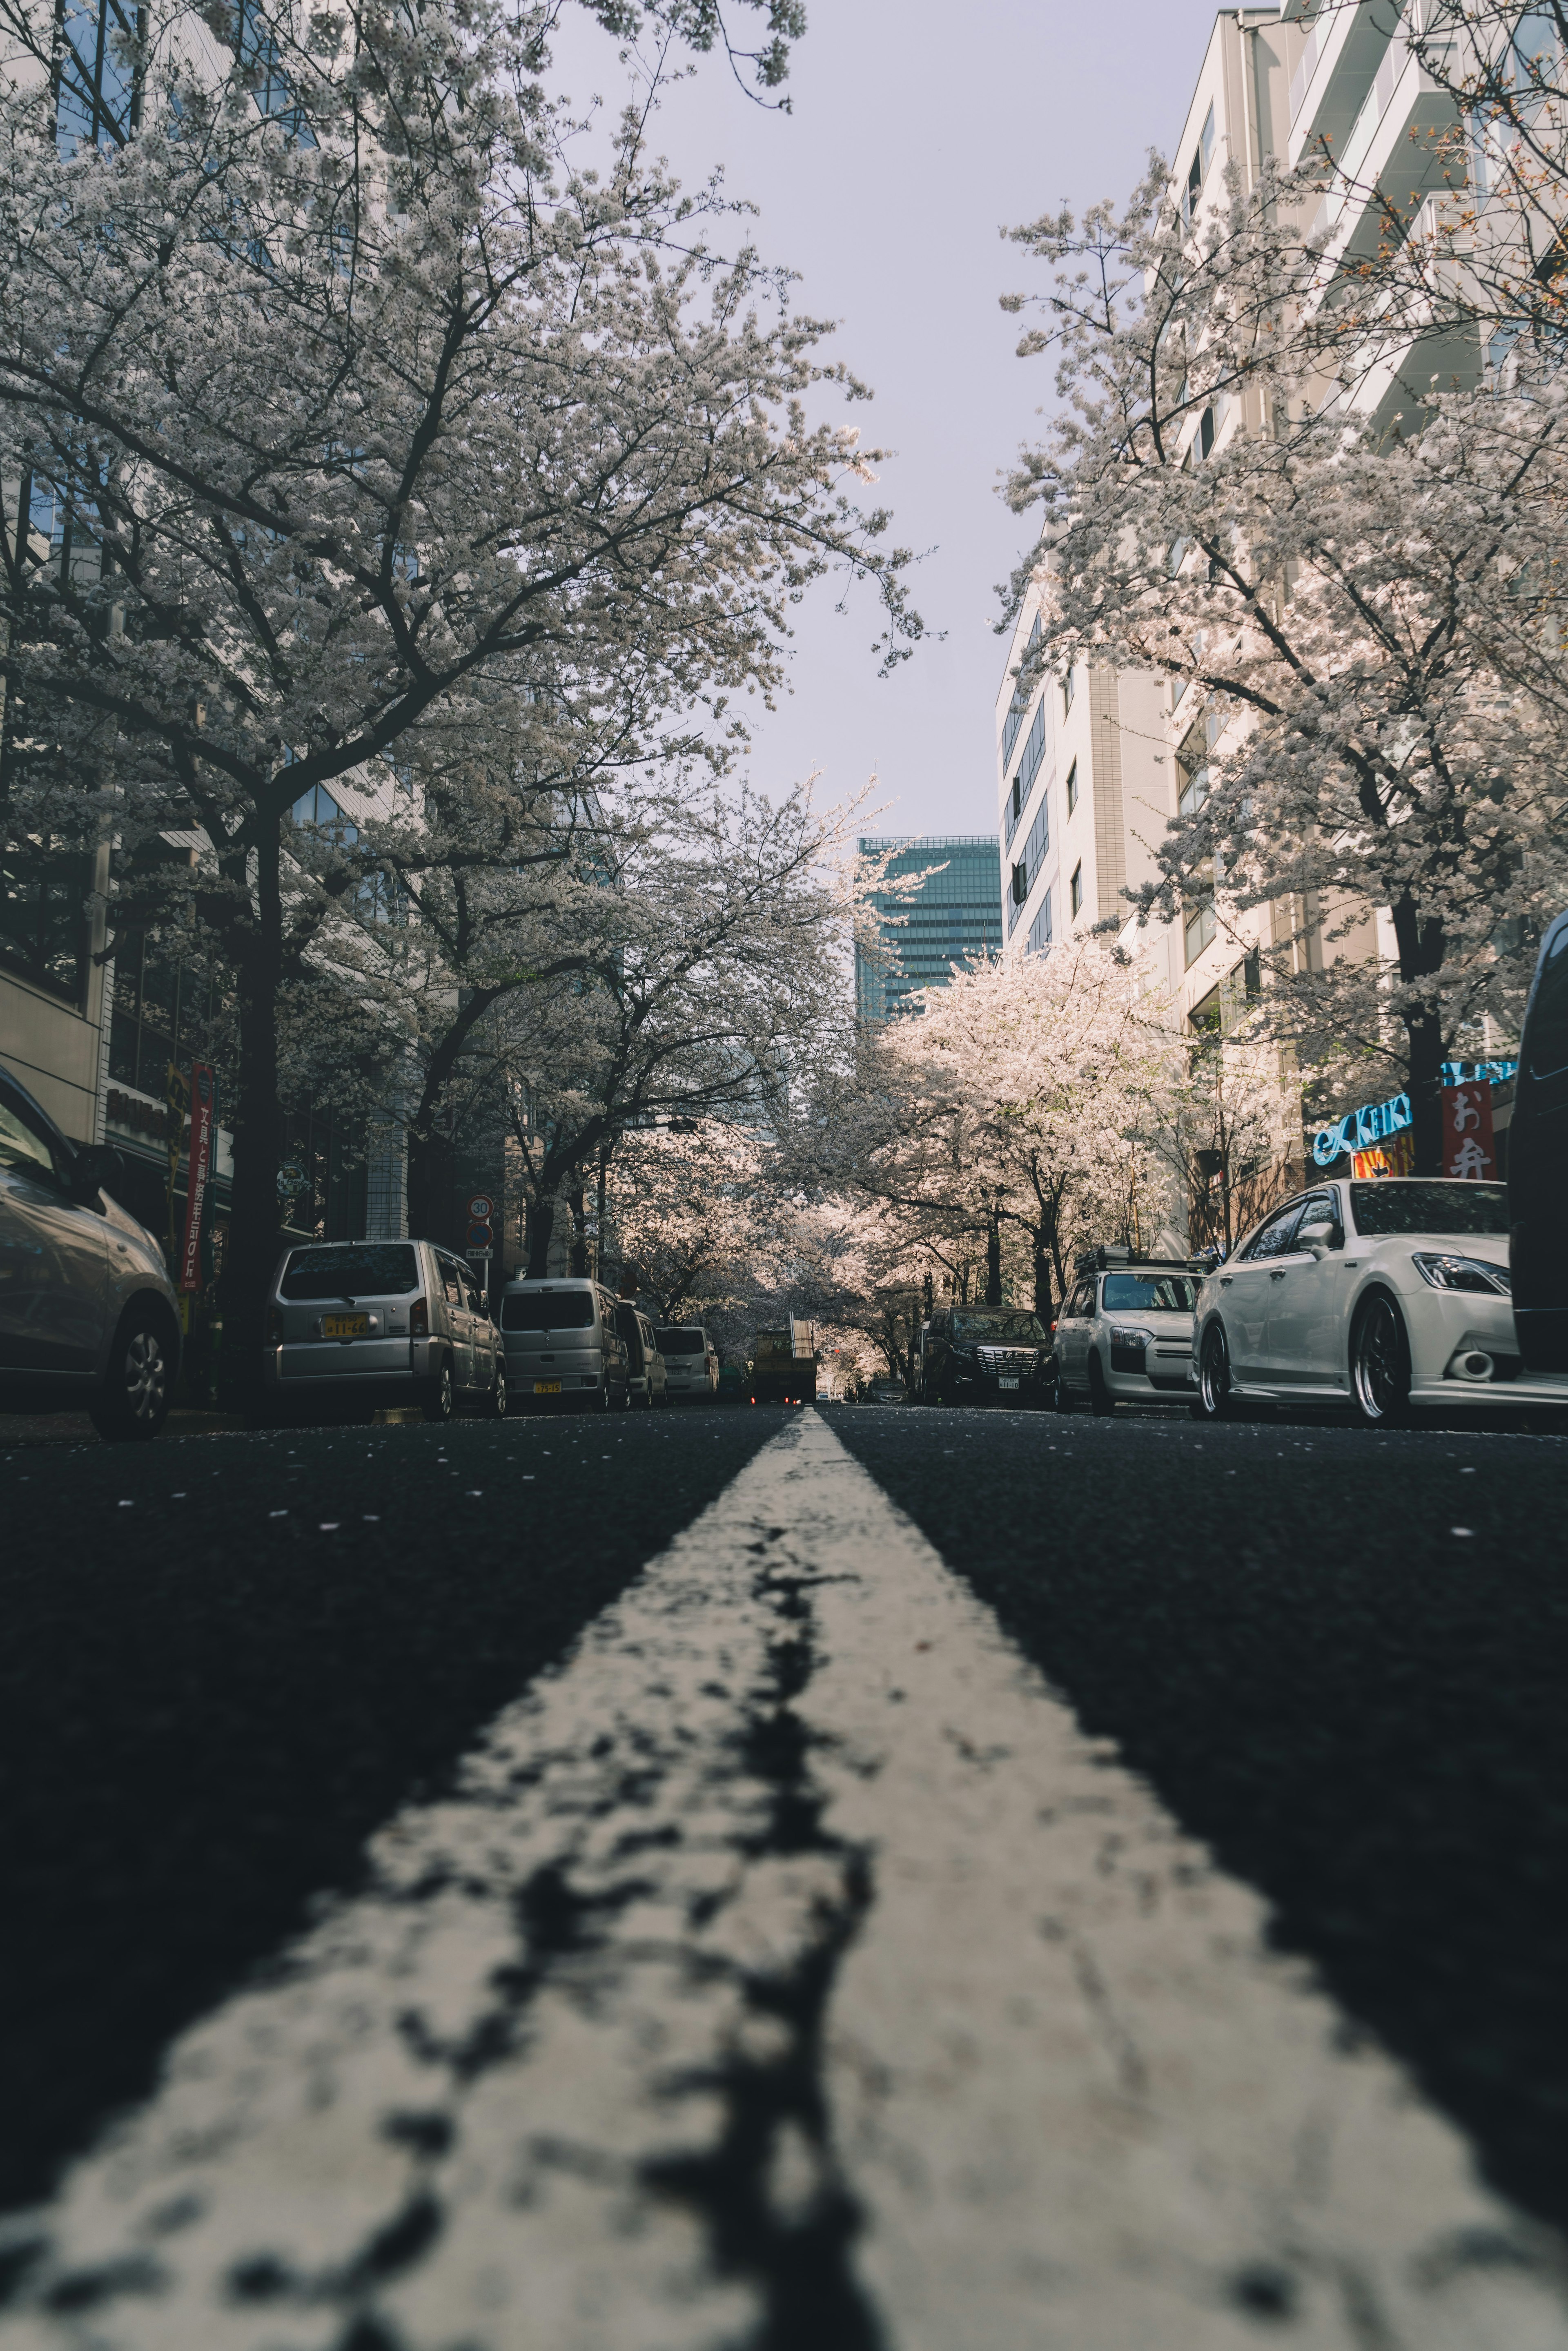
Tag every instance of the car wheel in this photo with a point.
(498, 1392)
(440, 1402)
(1215, 1401)
(1102, 1403)
(133, 1401)
(1380, 1363)
(1062, 1401)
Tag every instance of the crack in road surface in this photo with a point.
(785, 1969)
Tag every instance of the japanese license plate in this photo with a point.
(546, 1387)
(1007, 1383)
(344, 1326)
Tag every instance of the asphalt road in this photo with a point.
(1321, 1673)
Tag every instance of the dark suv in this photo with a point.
(986, 1355)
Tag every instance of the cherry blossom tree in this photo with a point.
(359, 428)
(1356, 612)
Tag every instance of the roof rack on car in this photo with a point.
(1100, 1260)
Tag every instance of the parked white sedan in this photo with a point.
(1391, 1296)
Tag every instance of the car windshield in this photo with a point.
(547, 1310)
(680, 1342)
(1022, 1329)
(1398, 1204)
(1148, 1294)
(351, 1270)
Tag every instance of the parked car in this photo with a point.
(691, 1361)
(986, 1355)
(564, 1347)
(1391, 1296)
(1125, 1335)
(89, 1317)
(351, 1325)
(647, 1383)
(1538, 1165)
(887, 1391)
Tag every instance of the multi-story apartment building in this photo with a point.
(954, 911)
(1091, 769)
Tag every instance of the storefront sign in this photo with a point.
(1470, 1152)
(1364, 1130)
(1395, 1157)
(203, 1123)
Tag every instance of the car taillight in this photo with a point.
(419, 1319)
(273, 1327)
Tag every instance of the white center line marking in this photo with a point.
(786, 1960)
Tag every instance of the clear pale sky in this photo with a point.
(918, 130)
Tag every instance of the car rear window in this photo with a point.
(681, 1342)
(1148, 1294)
(351, 1270)
(548, 1309)
(1401, 1205)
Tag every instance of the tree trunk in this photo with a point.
(256, 1119)
(578, 1230)
(1426, 1037)
(994, 1264)
(541, 1230)
(430, 1154)
(1042, 1289)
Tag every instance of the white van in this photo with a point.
(691, 1361)
(563, 1348)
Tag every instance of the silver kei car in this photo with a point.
(691, 1361)
(89, 1317)
(564, 1347)
(351, 1325)
(1125, 1335)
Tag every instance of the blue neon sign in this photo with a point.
(1363, 1129)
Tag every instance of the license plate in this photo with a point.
(546, 1387)
(344, 1326)
(1007, 1383)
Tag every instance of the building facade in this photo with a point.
(954, 912)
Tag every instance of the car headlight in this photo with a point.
(1122, 1336)
(1441, 1271)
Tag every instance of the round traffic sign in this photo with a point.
(480, 1206)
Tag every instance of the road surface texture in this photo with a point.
(891, 1880)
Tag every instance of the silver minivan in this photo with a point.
(1124, 1333)
(563, 1347)
(354, 1324)
(691, 1361)
(89, 1317)
(646, 1380)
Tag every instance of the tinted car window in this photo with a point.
(24, 1146)
(547, 1310)
(996, 1323)
(679, 1343)
(1401, 1205)
(1275, 1238)
(354, 1270)
(1149, 1293)
(1546, 1028)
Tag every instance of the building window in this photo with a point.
(43, 912)
(1075, 888)
(1020, 885)
(1067, 690)
(1072, 788)
(1206, 433)
(1197, 925)
(1039, 940)
(1036, 848)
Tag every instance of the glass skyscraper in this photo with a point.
(954, 913)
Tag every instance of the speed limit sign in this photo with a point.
(481, 1207)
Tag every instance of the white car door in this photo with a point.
(1246, 1288)
(1306, 1305)
(54, 1257)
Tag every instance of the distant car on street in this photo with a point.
(887, 1391)
(691, 1361)
(1124, 1334)
(351, 1325)
(784, 1363)
(646, 1373)
(89, 1317)
(564, 1347)
(1392, 1296)
(985, 1354)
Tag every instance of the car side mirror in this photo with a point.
(95, 1169)
(1318, 1239)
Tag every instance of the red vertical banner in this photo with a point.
(204, 1119)
(1469, 1148)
